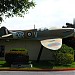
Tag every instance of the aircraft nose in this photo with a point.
(69, 32)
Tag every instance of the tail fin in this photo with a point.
(4, 31)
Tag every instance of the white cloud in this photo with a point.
(46, 13)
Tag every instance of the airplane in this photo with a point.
(51, 39)
(70, 41)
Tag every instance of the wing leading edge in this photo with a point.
(53, 44)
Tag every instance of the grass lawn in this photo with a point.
(47, 65)
(67, 66)
(40, 65)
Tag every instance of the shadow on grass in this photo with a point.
(42, 64)
(6, 65)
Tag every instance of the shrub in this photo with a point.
(19, 50)
(64, 56)
(17, 56)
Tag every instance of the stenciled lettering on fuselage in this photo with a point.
(20, 34)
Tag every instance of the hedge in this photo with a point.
(17, 56)
(63, 56)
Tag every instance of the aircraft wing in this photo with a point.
(53, 44)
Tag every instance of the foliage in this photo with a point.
(14, 7)
(19, 50)
(17, 56)
(64, 56)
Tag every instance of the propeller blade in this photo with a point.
(74, 22)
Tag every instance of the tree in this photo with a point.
(11, 8)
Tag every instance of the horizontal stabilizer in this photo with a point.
(6, 35)
(53, 44)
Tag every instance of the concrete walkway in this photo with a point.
(37, 72)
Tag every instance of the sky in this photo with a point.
(46, 14)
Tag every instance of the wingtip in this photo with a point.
(52, 44)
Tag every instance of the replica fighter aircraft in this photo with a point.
(51, 39)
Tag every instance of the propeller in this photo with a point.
(74, 26)
(70, 25)
(74, 22)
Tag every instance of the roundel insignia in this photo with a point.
(29, 34)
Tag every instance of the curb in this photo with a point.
(22, 69)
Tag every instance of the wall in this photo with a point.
(32, 46)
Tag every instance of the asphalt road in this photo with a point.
(37, 72)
